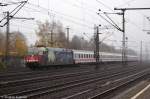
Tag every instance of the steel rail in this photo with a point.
(56, 88)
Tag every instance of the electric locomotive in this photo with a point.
(44, 56)
(47, 56)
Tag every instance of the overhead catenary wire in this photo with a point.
(65, 17)
(113, 22)
(90, 10)
(72, 20)
(140, 13)
(108, 21)
(129, 21)
(56, 12)
(14, 12)
(10, 13)
(11, 3)
(60, 14)
(106, 6)
(109, 8)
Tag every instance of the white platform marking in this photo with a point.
(139, 93)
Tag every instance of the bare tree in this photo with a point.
(51, 34)
(75, 43)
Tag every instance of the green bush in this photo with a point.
(2, 66)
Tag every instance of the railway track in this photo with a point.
(62, 86)
(121, 84)
(17, 75)
(10, 79)
(59, 87)
(104, 90)
(32, 74)
(84, 91)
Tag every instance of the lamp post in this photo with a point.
(68, 36)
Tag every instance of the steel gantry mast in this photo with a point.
(8, 17)
(124, 58)
(97, 56)
(110, 21)
(123, 29)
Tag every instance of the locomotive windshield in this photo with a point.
(36, 51)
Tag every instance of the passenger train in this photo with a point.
(47, 56)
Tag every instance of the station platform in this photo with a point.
(139, 91)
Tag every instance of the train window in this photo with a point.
(77, 55)
(81, 55)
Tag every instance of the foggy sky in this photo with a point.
(80, 16)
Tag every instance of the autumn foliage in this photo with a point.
(21, 46)
(17, 44)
